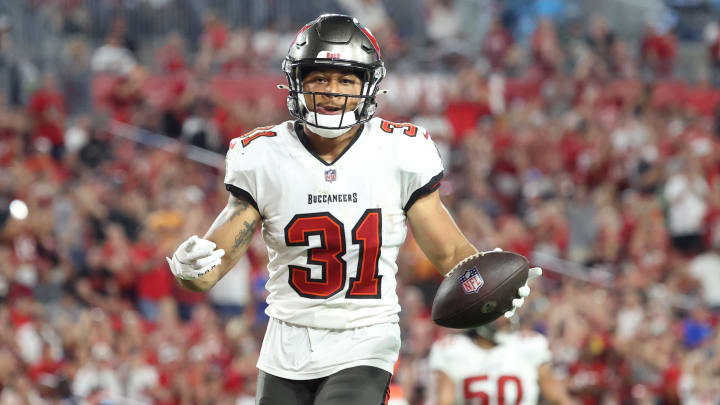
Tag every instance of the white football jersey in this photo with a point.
(506, 374)
(333, 230)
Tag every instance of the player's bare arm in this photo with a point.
(444, 244)
(443, 388)
(437, 234)
(553, 390)
(231, 232)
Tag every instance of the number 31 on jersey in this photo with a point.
(367, 233)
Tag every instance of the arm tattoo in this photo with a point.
(239, 206)
(245, 234)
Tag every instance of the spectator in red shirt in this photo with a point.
(216, 32)
(514, 234)
(170, 58)
(47, 109)
(658, 52)
(152, 281)
(215, 38)
(237, 58)
(590, 375)
(125, 97)
(48, 365)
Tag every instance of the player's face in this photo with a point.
(331, 81)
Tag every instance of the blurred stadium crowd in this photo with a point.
(591, 150)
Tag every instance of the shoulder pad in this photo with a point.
(401, 129)
(248, 138)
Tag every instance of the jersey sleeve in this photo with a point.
(240, 176)
(447, 352)
(440, 357)
(421, 167)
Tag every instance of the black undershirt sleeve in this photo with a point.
(428, 188)
(242, 194)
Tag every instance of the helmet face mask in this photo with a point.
(333, 41)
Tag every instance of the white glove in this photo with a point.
(194, 258)
(523, 291)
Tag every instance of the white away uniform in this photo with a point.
(506, 374)
(332, 231)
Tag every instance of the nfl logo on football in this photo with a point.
(471, 281)
(330, 175)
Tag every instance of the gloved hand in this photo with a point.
(194, 258)
(523, 291)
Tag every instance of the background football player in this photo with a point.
(486, 367)
(333, 190)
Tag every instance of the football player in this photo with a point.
(333, 189)
(487, 367)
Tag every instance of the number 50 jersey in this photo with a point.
(333, 230)
(506, 374)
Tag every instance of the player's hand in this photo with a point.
(523, 291)
(194, 258)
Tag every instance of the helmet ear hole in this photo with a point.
(292, 105)
(371, 108)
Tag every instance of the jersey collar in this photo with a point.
(303, 140)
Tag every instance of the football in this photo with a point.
(479, 289)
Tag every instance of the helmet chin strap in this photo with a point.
(327, 133)
(328, 121)
(325, 120)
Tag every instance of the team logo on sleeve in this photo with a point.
(330, 175)
(471, 281)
